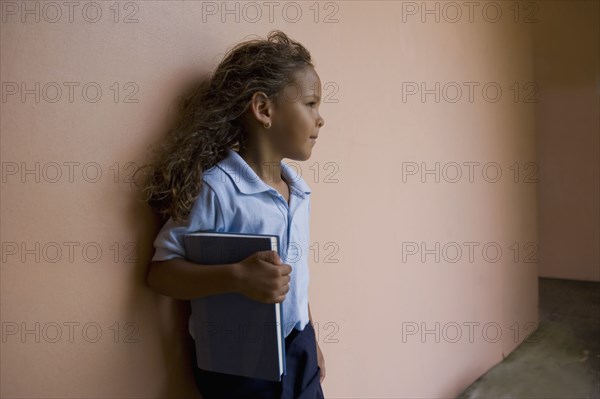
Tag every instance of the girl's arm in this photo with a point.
(184, 280)
(320, 357)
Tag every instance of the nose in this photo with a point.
(320, 121)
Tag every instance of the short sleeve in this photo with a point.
(205, 215)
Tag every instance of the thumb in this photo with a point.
(273, 257)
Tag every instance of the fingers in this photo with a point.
(285, 269)
(281, 297)
(286, 287)
(274, 258)
(285, 290)
(282, 274)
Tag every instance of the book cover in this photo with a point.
(235, 334)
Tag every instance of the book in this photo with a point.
(235, 334)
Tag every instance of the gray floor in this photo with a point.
(561, 359)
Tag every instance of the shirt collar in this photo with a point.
(248, 182)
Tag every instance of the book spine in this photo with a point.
(279, 308)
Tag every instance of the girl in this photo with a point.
(221, 170)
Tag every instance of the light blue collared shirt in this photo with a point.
(233, 199)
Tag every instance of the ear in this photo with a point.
(261, 107)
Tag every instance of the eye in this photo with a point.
(312, 103)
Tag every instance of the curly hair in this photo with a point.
(210, 119)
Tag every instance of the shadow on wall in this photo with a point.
(167, 316)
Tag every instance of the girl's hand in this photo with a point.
(321, 361)
(264, 277)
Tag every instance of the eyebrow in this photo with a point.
(313, 95)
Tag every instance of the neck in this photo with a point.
(265, 164)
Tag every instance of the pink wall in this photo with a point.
(374, 215)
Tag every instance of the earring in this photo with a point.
(267, 125)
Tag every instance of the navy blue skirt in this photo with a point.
(301, 381)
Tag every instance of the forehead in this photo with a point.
(307, 76)
(306, 83)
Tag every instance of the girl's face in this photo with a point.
(295, 119)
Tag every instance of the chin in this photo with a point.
(306, 155)
(300, 156)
